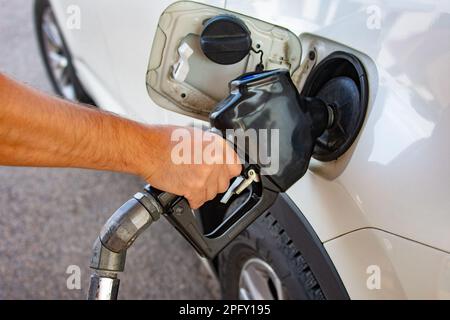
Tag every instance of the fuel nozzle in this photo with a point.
(258, 101)
(270, 101)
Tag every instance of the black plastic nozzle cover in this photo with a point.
(270, 101)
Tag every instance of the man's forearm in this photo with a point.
(77, 137)
(42, 131)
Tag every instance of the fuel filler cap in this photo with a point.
(225, 39)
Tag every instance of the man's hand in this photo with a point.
(199, 182)
(42, 131)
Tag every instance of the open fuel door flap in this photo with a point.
(198, 49)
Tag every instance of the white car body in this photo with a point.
(387, 213)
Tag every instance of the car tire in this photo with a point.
(56, 55)
(263, 263)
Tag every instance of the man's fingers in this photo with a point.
(223, 184)
(234, 170)
(195, 203)
(197, 198)
(211, 193)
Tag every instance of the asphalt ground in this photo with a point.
(49, 218)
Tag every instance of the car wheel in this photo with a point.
(263, 263)
(56, 55)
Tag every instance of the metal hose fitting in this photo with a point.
(116, 236)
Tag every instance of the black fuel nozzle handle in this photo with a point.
(178, 212)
